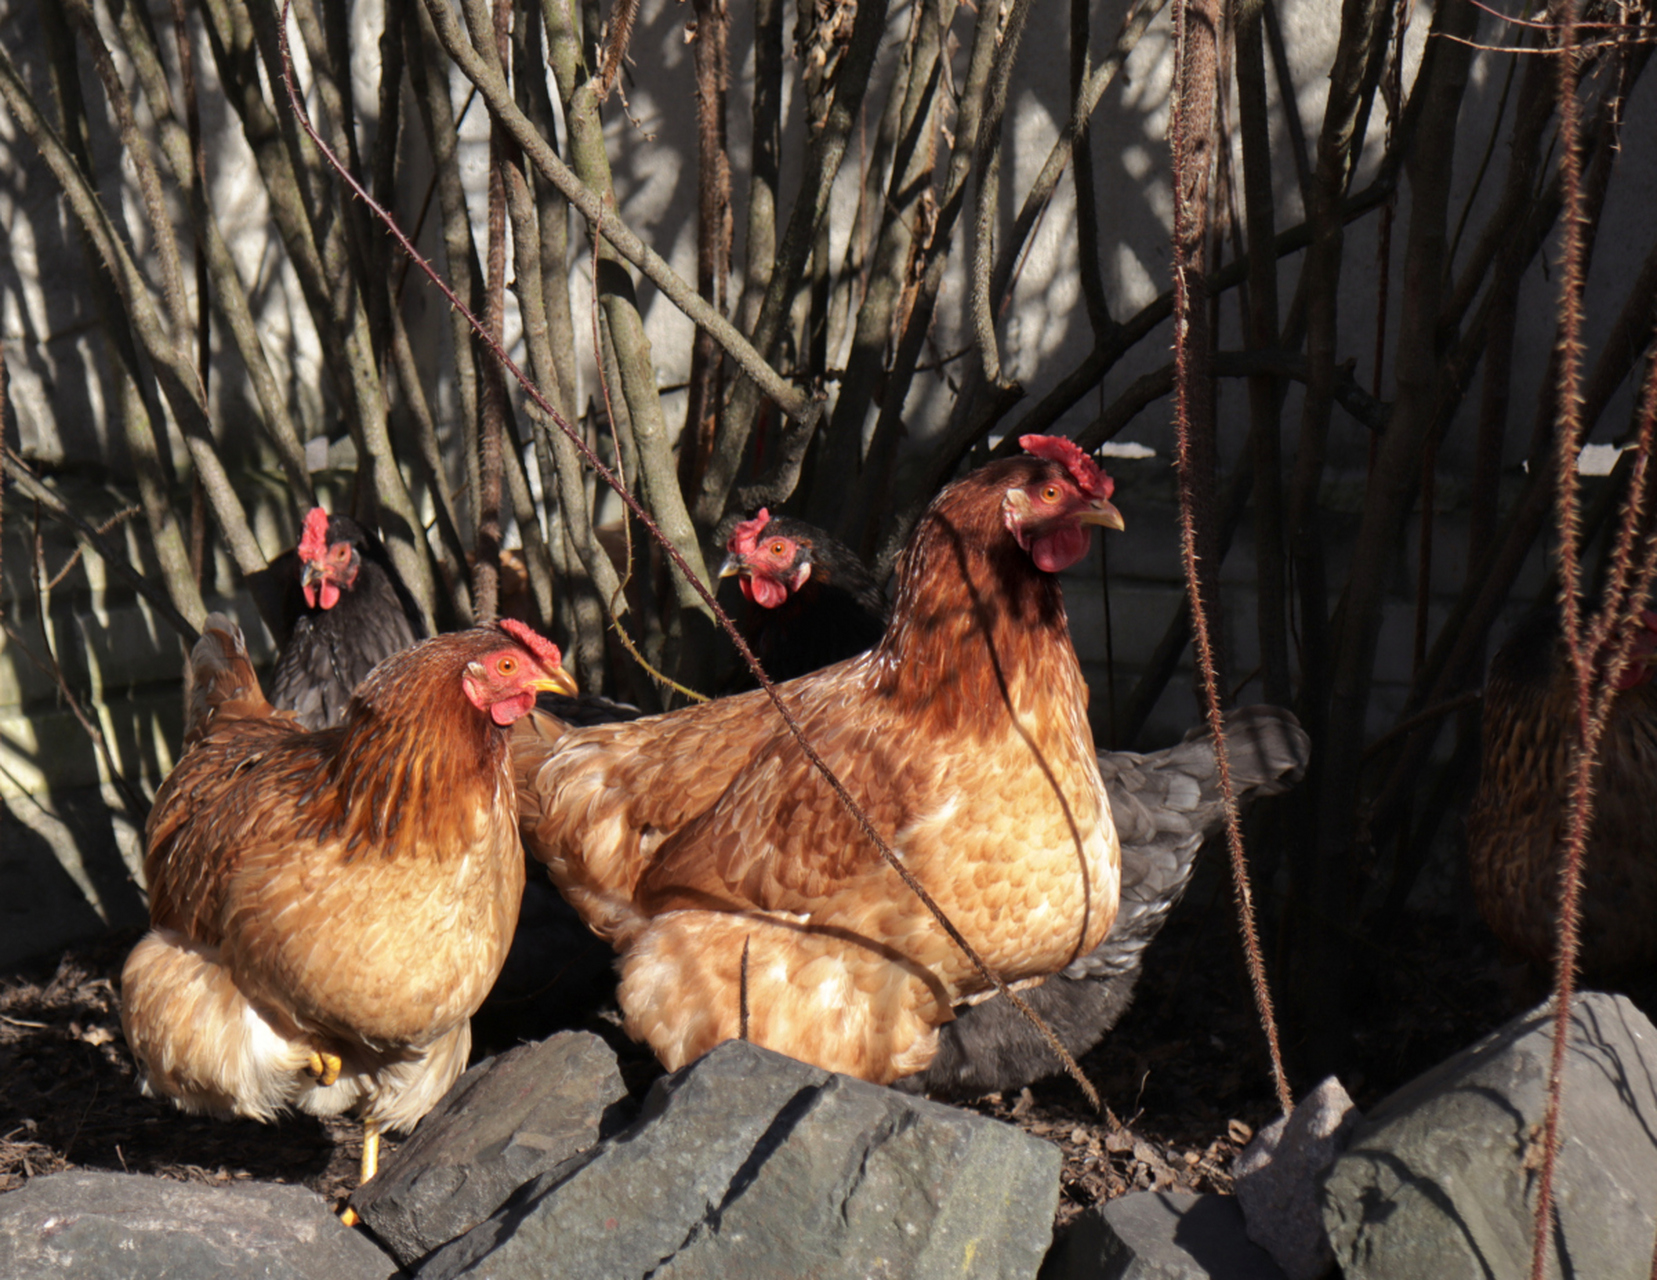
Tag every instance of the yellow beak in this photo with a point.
(1102, 513)
(560, 681)
(731, 567)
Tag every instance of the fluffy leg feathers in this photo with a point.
(200, 1041)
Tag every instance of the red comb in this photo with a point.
(537, 644)
(1088, 475)
(314, 545)
(745, 537)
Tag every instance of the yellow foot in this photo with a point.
(325, 1067)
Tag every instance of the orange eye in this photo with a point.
(506, 666)
(779, 548)
(1050, 493)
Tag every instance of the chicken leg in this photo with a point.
(369, 1167)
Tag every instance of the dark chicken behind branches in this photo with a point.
(1165, 804)
(812, 602)
(1516, 826)
(694, 839)
(344, 611)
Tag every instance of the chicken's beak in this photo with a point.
(1102, 513)
(731, 567)
(560, 681)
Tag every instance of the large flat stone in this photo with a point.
(749, 1164)
(505, 1121)
(113, 1226)
(1160, 1235)
(1441, 1179)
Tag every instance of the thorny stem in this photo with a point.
(643, 516)
(1187, 231)
(1568, 427)
(1584, 648)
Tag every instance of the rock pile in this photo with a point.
(747, 1163)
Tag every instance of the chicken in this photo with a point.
(812, 601)
(1165, 806)
(344, 610)
(742, 896)
(1516, 824)
(328, 908)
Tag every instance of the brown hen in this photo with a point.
(706, 848)
(329, 908)
(1516, 825)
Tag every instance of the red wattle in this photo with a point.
(309, 588)
(510, 709)
(330, 594)
(1061, 548)
(765, 593)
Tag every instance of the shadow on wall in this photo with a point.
(62, 874)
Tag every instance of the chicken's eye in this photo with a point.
(342, 552)
(506, 666)
(778, 549)
(1050, 493)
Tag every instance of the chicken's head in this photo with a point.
(505, 680)
(1050, 514)
(768, 561)
(1642, 658)
(329, 559)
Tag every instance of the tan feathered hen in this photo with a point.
(691, 839)
(1517, 824)
(329, 908)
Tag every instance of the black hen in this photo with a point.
(1165, 804)
(344, 609)
(813, 602)
(819, 604)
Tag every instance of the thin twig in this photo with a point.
(136, 809)
(59, 510)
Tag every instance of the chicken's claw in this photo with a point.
(325, 1067)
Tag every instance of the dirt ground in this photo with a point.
(1186, 1070)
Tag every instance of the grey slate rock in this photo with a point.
(116, 1226)
(750, 1164)
(1160, 1235)
(1434, 1183)
(505, 1121)
(1276, 1180)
